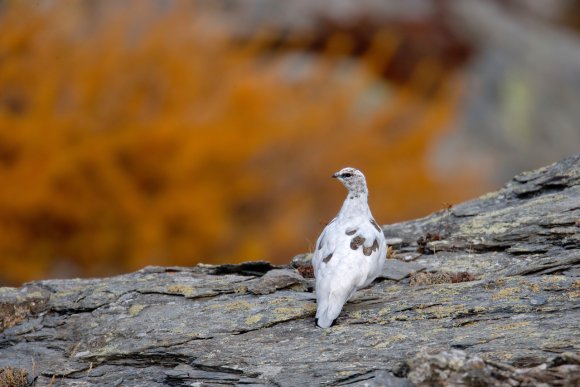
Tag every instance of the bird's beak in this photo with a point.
(334, 176)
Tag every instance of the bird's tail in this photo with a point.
(330, 304)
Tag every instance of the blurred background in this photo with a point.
(138, 133)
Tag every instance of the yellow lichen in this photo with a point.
(236, 305)
(390, 341)
(187, 291)
(310, 307)
(279, 301)
(513, 326)
(253, 319)
(505, 293)
(357, 314)
(490, 223)
(288, 312)
(444, 290)
(136, 309)
(441, 311)
(553, 278)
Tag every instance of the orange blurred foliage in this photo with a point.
(138, 137)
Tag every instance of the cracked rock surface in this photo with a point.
(514, 318)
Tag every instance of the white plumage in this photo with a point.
(350, 252)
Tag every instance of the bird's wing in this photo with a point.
(374, 248)
(346, 259)
(323, 248)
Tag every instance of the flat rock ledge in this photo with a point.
(482, 293)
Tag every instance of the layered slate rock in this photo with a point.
(515, 305)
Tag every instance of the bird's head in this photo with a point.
(353, 180)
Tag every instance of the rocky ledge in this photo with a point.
(484, 292)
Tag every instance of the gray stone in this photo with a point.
(278, 279)
(397, 270)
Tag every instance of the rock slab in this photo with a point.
(512, 314)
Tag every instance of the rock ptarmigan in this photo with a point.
(350, 251)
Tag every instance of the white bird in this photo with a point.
(350, 251)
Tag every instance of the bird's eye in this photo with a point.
(346, 174)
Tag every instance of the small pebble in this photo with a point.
(538, 300)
